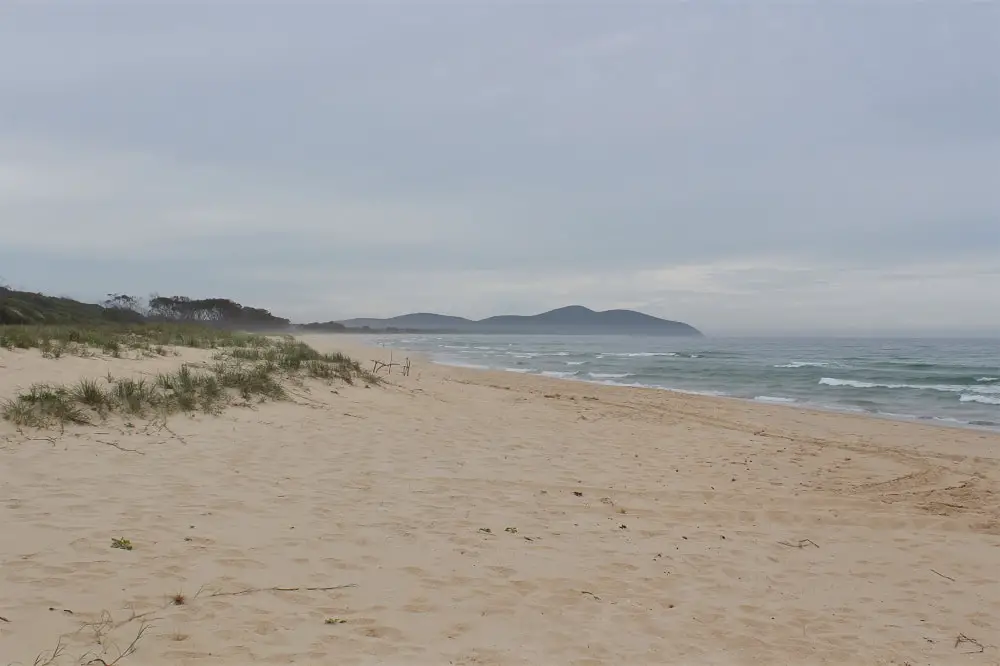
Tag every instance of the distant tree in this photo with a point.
(210, 310)
(124, 302)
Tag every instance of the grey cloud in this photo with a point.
(532, 154)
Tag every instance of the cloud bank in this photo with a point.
(770, 169)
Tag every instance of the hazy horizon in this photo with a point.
(765, 170)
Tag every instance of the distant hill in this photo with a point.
(574, 319)
(418, 321)
(323, 327)
(25, 307)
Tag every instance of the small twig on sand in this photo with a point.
(176, 436)
(591, 594)
(3, 619)
(802, 543)
(254, 590)
(161, 425)
(120, 448)
(143, 628)
(942, 575)
(41, 659)
(962, 638)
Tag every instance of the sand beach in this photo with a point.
(457, 516)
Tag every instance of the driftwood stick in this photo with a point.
(802, 543)
(254, 590)
(962, 638)
(119, 447)
(379, 365)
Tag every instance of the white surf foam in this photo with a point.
(608, 375)
(459, 364)
(635, 354)
(804, 364)
(773, 399)
(711, 394)
(947, 388)
(981, 399)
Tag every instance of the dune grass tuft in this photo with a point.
(90, 393)
(250, 368)
(42, 405)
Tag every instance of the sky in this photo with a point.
(773, 167)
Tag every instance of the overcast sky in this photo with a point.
(789, 167)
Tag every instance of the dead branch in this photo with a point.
(120, 448)
(162, 425)
(379, 365)
(802, 543)
(962, 638)
(143, 628)
(942, 575)
(41, 659)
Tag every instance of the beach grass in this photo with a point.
(115, 339)
(246, 368)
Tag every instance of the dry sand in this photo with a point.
(493, 518)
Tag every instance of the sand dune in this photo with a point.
(466, 517)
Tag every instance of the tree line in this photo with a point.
(221, 311)
(25, 307)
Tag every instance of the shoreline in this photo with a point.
(934, 421)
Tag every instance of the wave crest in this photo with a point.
(946, 388)
(981, 399)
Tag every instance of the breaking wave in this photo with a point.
(946, 388)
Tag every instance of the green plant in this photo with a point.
(134, 396)
(252, 367)
(89, 393)
(121, 543)
(43, 404)
(21, 414)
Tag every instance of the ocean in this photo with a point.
(954, 382)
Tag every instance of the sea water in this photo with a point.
(948, 381)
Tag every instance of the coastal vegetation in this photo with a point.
(29, 308)
(244, 370)
(244, 367)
